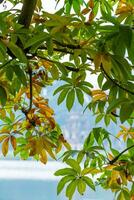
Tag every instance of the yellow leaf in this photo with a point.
(5, 146)
(4, 130)
(3, 137)
(43, 156)
(67, 145)
(125, 137)
(19, 95)
(124, 128)
(106, 61)
(96, 92)
(97, 61)
(101, 97)
(49, 150)
(110, 167)
(3, 112)
(110, 156)
(59, 147)
(120, 134)
(123, 177)
(90, 170)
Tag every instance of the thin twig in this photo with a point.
(56, 62)
(5, 64)
(30, 88)
(115, 82)
(111, 162)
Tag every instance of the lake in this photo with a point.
(29, 180)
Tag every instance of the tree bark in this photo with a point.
(27, 12)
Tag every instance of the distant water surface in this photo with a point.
(28, 180)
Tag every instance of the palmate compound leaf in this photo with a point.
(63, 182)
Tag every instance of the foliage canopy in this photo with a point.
(95, 37)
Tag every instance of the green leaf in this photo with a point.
(81, 186)
(49, 44)
(126, 111)
(70, 99)
(40, 38)
(20, 74)
(80, 96)
(54, 72)
(63, 182)
(3, 95)
(60, 88)
(71, 189)
(99, 118)
(65, 171)
(129, 144)
(80, 156)
(63, 95)
(89, 182)
(17, 52)
(74, 164)
(116, 103)
(76, 6)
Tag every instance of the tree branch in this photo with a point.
(27, 12)
(56, 62)
(115, 115)
(30, 88)
(115, 82)
(111, 162)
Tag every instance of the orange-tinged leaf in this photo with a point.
(91, 3)
(5, 146)
(19, 95)
(132, 197)
(85, 11)
(91, 17)
(13, 142)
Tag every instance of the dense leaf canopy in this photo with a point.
(81, 39)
